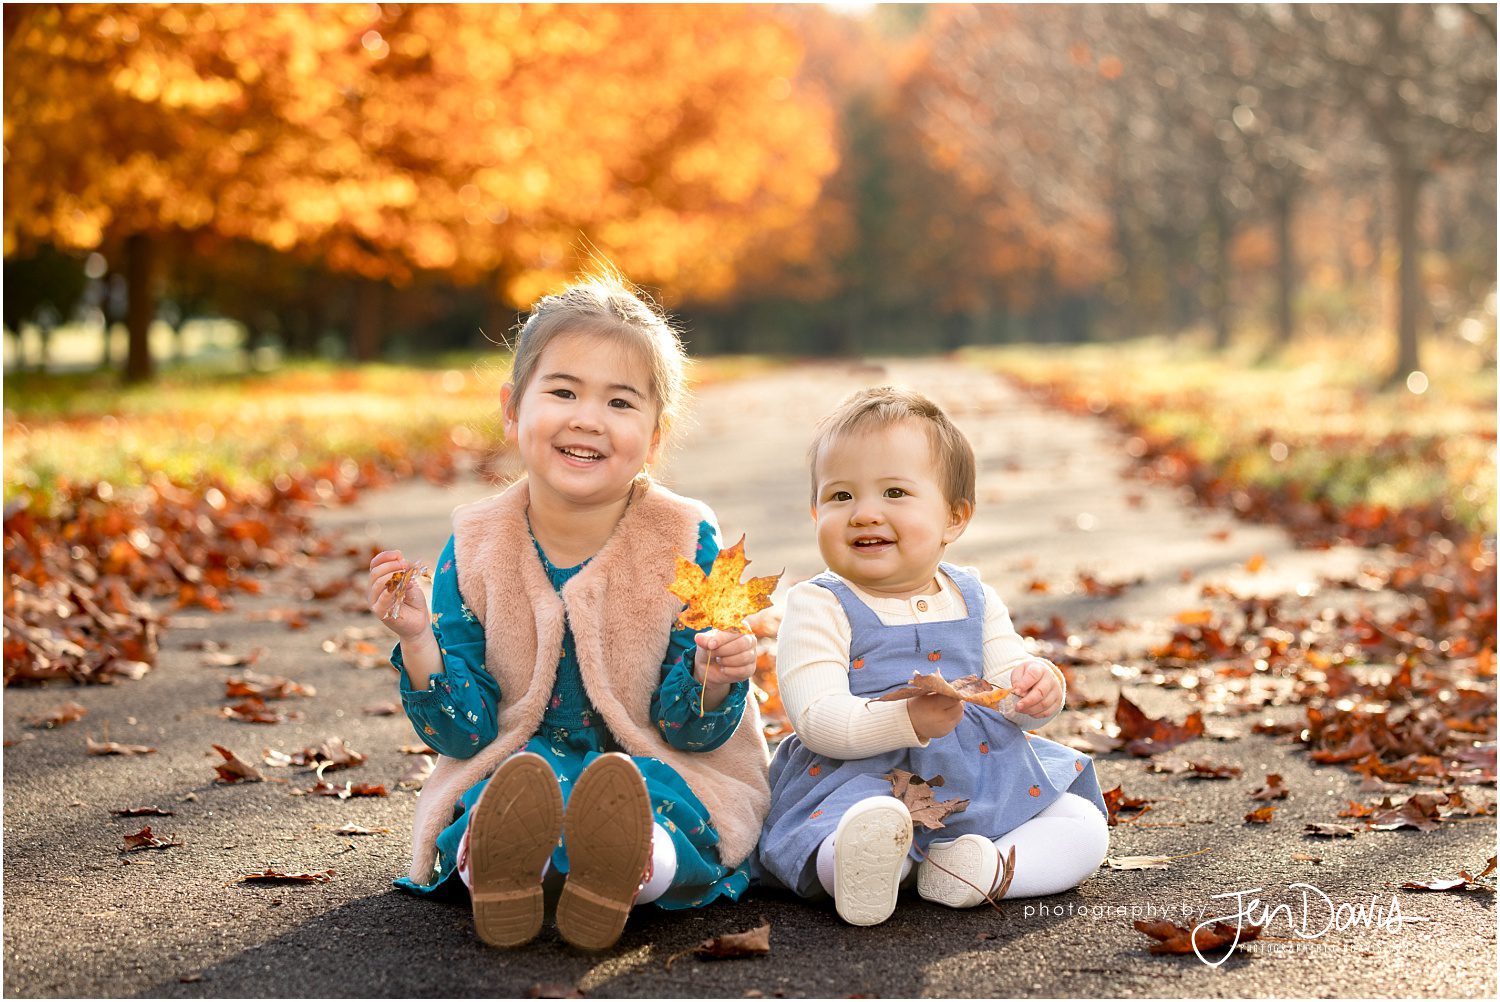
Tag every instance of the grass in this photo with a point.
(1311, 416)
(248, 428)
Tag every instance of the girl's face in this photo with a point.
(586, 424)
(883, 522)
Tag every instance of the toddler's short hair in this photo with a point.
(877, 407)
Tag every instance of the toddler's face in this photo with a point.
(883, 521)
(586, 424)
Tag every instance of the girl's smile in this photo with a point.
(586, 424)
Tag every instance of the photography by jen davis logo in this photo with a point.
(1311, 915)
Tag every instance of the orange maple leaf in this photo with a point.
(718, 599)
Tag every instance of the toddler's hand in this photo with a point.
(934, 716)
(412, 619)
(724, 658)
(1038, 693)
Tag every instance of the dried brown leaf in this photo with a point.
(235, 769)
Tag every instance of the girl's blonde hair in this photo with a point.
(605, 305)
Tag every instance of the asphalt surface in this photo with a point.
(84, 919)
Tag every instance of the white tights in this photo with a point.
(1055, 851)
(663, 865)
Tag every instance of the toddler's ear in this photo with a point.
(958, 520)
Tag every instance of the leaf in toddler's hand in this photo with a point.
(719, 600)
(969, 688)
(916, 793)
(754, 943)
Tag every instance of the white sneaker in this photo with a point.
(973, 858)
(870, 846)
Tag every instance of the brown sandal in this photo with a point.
(607, 833)
(512, 831)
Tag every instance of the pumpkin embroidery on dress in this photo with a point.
(1035, 791)
(935, 656)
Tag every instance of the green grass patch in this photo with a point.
(1312, 416)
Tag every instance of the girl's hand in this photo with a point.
(1038, 692)
(724, 658)
(934, 716)
(413, 619)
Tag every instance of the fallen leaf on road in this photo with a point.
(357, 830)
(1273, 790)
(1306, 857)
(1464, 881)
(1116, 801)
(916, 793)
(554, 991)
(1261, 815)
(235, 769)
(969, 688)
(140, 812)
(389, 709)
(754, 943)
(64, 714)
(224, 659)
(323, 789)
(1356, 810)
(415, 776)
(1138, 862)
(1175, 939)
(146, 839)
(1145, 736)
(265, 687)
(269, 876)
(115, 748)
(1212, 770)
(417, 749)
(252, 711)
(1329, 830)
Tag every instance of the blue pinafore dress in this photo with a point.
(1007, 775)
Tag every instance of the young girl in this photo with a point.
(893, 485)
(548, 674)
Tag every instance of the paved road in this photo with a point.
(83, 919)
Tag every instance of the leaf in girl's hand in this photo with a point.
(146, 839)
(235, 769)
(916, 793)
(719, 600)
(269, 876)
(754, 943)
(969, 688)
(399, 582)
(115, 748)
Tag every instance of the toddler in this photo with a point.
(893, 486)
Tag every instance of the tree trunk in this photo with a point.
(369, 301)
(1219, 309)
(1286, 263)
(1409, 289)
(140, 307)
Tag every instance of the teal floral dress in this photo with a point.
(456, 715)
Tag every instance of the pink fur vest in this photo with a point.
(622, 616)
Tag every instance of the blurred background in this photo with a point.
(247, 184)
